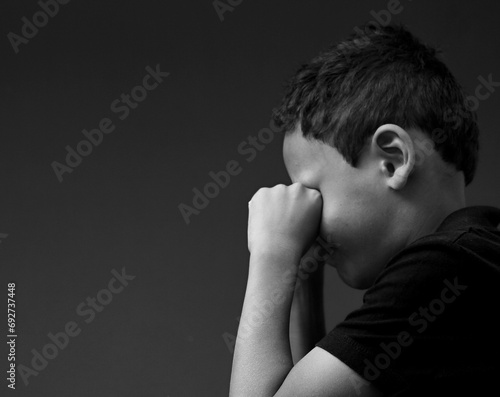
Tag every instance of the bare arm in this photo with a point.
(282, 224)
(307, 320)
(262, 363)
(262, 357)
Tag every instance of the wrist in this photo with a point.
(273, 272)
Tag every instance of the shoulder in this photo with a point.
(427, 301)
(470, 252)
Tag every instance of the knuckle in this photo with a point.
(259, 192)
(278, 187)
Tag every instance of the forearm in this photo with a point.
(307, 321)
(262, 357)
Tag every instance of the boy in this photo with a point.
(379, 144)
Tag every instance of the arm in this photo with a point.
(307, 320)
(262, 356)
(262, 364)
(283, 221)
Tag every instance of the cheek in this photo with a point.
(351, 210)
(335, 226)
(352, 226)
(340, 214)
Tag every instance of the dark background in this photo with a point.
(163, 334)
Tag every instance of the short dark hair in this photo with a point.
(379, 75)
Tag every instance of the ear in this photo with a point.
(394, 147)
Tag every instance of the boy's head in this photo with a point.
(383, 130)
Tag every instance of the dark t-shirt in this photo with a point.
(430, 322)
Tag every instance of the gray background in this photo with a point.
(163, 334)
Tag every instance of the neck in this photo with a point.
(437, 201)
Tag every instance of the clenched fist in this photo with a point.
(284, 218)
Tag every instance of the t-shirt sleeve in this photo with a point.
(405, 332)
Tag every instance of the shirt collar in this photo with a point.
(483, 216)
